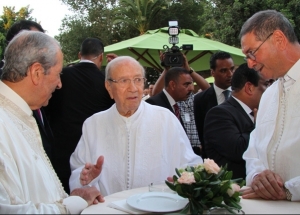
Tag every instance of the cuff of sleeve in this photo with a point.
(75, 204)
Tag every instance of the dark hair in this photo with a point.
(242, 75)
(216, 56)
(263, 23)
(91, 46)
(173, 74)
(22, 25)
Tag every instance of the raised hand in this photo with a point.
(110, 57)
(90, 171)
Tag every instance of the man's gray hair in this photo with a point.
(263, 23)
(119, 60)
(25, 49)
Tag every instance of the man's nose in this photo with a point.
(59, 85)
(251, 63)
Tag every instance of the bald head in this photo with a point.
(121, 61)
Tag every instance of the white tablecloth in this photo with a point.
(249, 206)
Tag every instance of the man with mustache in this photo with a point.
(178, 87)
(186, 105)
(221, 67)
(272, 159)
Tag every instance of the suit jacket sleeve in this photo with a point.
(223, 135)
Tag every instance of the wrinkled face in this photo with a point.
(129, 96)
(223, 72)
(51, 81)
(183, 87)
(265, 61)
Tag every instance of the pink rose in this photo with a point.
(210, 166)
(186, 178)
(233, 188)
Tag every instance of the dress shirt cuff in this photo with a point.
(293, 185)
(75, 204)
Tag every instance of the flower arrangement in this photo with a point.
(207, 185)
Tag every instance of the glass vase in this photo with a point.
(220, 210)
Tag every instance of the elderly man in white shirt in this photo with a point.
(272, 158)
(28, 183)
(118, 150)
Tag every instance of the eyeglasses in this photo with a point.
(251, 55)
(124, 82)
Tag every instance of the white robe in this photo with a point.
(275, 142)
(28, 183)
(143, 148)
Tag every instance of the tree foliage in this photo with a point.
(226, 17)
(8, 18)
(139, 14)
(186, 12)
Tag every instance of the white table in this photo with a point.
(249, 206)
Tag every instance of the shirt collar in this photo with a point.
(15, 98)
(293, 73)
(170, 98)
(86, 61)
(219, 91)
(244, 106)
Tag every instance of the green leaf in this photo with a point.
(197, 176)
(221, 173)
(217, 200)
(215, 182)
(228, 175)
(170, 185)
(177, 172)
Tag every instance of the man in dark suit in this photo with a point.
(82, 95)
(227, 127)
(222, 67)
(39, 114)
(178, 87)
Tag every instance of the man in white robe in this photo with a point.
(28, 183)
(272, 158)
(134, 154)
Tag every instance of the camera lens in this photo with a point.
(174, 59)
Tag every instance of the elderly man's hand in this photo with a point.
(90, 194)
(267, 185)
(90, 171)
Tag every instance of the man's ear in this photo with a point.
(79, 55)
(172, 85)
(280, 39)
(249, 88)
(35, 72)
(108, 88)
(101, 58)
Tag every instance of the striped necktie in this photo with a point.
(176, 111)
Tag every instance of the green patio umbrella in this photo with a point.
(210, 79)
(145, 48)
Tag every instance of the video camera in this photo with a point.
(173, 56)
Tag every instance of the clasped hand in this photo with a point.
(266, 185)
